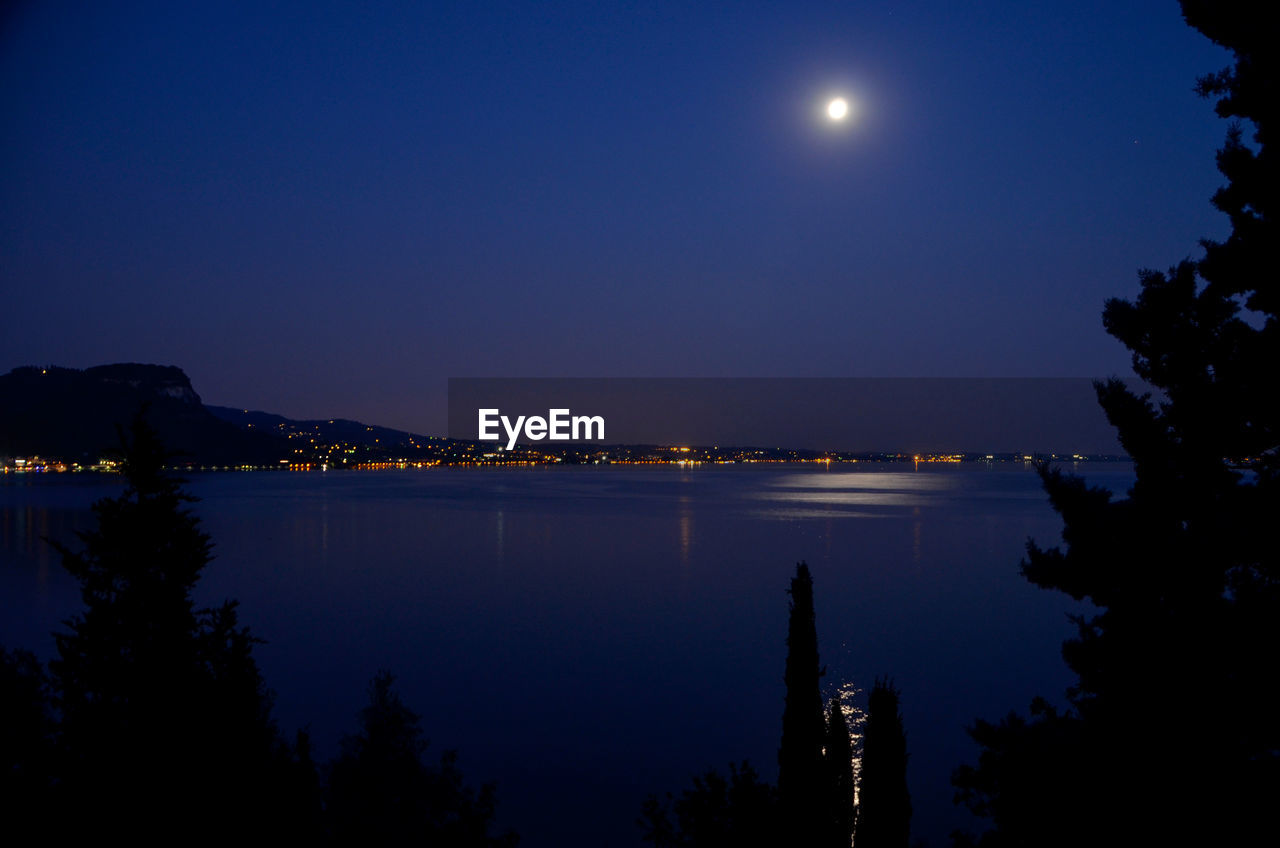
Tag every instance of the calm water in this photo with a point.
(587, 636)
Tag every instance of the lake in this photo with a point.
(586, 636)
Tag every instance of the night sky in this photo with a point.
(324, 209)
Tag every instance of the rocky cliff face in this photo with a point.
(73, 415)
(157, 380)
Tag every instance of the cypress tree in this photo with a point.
(884, 802)
(802, 786)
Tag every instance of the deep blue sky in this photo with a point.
(324, 209)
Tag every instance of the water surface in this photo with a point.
(585, 636)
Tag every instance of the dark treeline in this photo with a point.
(1170, 735)
(821, 798)
(153, 722)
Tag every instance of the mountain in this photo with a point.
(329, 431)
(74, 415)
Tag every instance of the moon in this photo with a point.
(838, 109)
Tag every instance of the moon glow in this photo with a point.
(838, 109)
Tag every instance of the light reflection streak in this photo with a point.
(917, 529)
(866, 480)
(797, 514)
(842, 498)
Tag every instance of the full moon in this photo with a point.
(837, 109)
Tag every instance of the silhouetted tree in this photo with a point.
(300, 798)
(884, 803)
(838, 754)
(1183, 572)
(802, 776)
(241, 762)
(381, 792)
(128, 666)
(1026, 783)
(27, 727)
(813, 804)
(164, 715)
(717, 812)
(656, 826)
